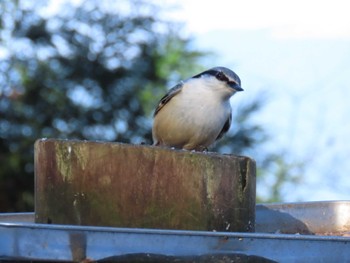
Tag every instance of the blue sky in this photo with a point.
(297, 55)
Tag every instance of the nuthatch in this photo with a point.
(196, 112)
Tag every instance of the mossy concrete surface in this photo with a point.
(122, 185)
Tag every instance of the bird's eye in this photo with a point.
(221, 76)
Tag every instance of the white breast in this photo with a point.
(194, 117)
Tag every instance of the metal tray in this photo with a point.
(30, 242)
(319, 218)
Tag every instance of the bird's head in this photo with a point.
(222, 79)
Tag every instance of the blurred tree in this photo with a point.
(276, 174)
(93, 71)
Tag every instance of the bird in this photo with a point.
(196, 112)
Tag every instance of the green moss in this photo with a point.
(175, 216)
(63, 153)
(81, 151)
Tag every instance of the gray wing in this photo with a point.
(170, 94)
(226, 127)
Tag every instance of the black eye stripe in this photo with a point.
(221, 76)
(217, 74)
(232, 83)
(209, 72)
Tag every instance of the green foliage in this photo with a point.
(86, 73)
(277, 174)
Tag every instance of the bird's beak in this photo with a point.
(235, 86)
